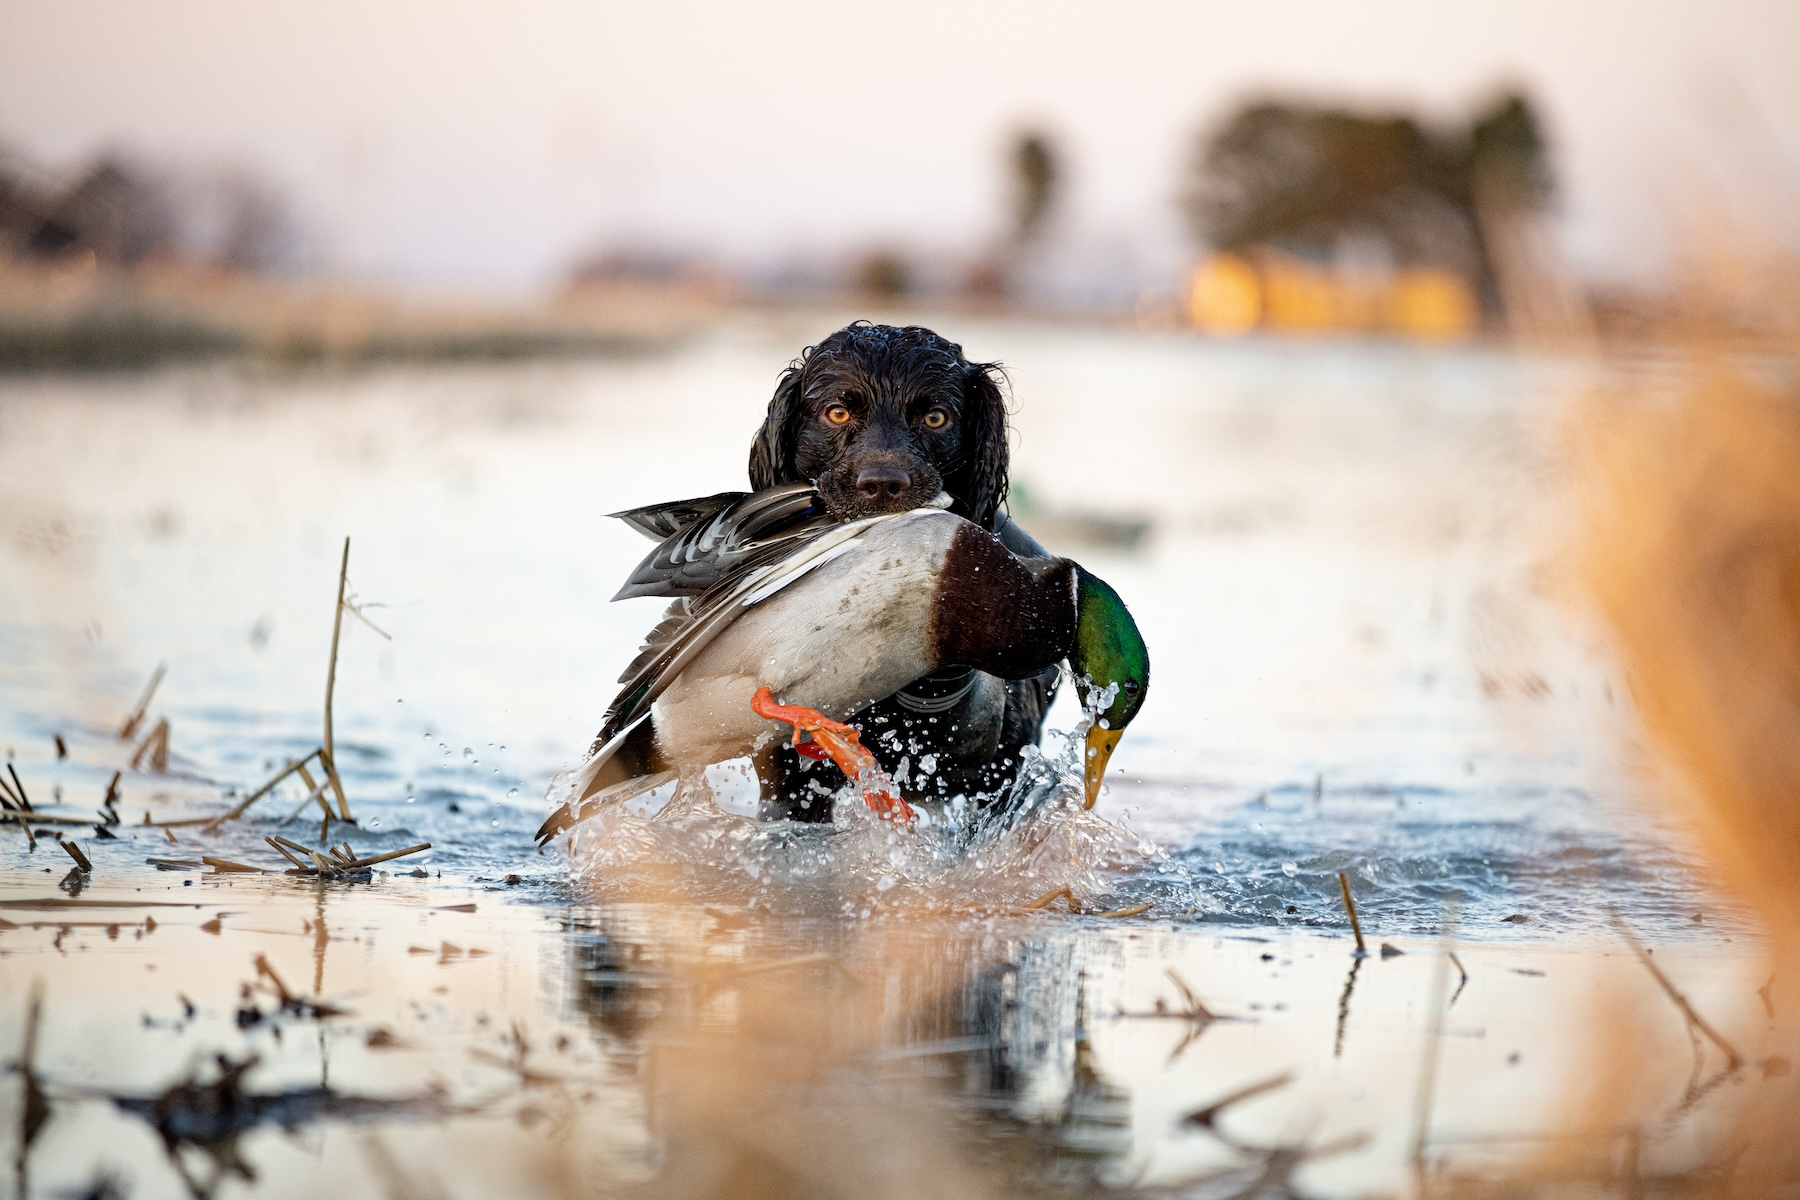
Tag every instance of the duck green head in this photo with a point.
(1112, 669)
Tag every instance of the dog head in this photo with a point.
(882, 419)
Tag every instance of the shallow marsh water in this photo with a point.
(1360, 666)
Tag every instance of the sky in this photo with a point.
(474, 143)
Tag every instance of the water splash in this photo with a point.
(696, 837)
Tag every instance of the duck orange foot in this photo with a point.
(836, 742)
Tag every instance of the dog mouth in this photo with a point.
(871, 488)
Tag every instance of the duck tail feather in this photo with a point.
(626, 765)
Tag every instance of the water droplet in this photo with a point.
(1290, 869)
(495, 822)
(468, 751)
(511, 793)
(375, 824)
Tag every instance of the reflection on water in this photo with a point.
(668, 1048)
(1356, 673)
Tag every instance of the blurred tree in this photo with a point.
(254, 229)
(882, 275)
(1310, 179)
(1035, 179)
(120, 211)
(124, 212)
(1508, 160)
(236, 220)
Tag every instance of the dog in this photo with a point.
(882, 419)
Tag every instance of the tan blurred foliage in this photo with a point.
(1689, 512)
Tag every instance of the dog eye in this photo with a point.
(937, 418)
(837, 414)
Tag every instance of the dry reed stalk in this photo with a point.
(1050, 897)
(36, 1107)
(156, 746)
(81, 859)
(1209, 1114)
(237, 810)
(282, 850)
(1733, 1060)
(1136, 910)
(313, 862)
(227, 866)
(1462, 982)
(38, 818)
(1191, 1006)
(1350, 907)
(266, 971)
(19, 789)
(136, 717)
(390, 856)
(324, 753)
(316, 796)
(329, 750)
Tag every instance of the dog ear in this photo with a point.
(772, 453)
(988, 456)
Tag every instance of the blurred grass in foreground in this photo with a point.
(1688, 549)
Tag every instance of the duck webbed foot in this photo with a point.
(833, 741)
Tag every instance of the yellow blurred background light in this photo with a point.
(1226, 296)
(1233, 294)
(1433, 305)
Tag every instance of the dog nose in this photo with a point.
(883, 483)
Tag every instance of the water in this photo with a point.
(1356, 665)
(1362, 659)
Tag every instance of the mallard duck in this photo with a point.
(773, 593)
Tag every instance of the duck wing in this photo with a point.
(687, 627)
(731, 533)
(690, 624)
(665, 520)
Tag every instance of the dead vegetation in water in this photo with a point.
(324, 789)
(1689, 551)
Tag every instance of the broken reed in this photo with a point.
(137, 714)
(1362, 947)
(15, 805)
(334, 862)
(1067, 894)
(322, 754)
(155, 746)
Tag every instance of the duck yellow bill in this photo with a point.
(1100, 745)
